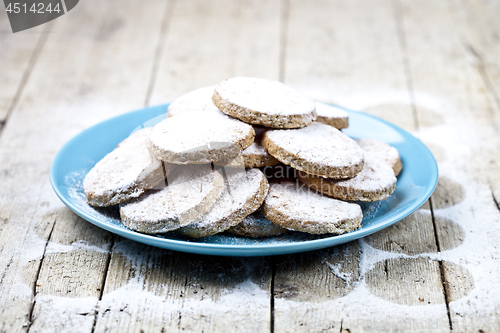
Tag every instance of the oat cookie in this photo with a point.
(190, 194)
(264, 102)
(332, 116)
(317, 149)
(383, 151)
(245, 191)
(196, 100)
(296, 207)
(254, 156)
(125, 173)
(200, 137)
(256, 225)
(376, 182)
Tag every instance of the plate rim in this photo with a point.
(245, 250)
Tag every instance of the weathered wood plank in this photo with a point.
(150, 289)
(340, 54)
(20, 52)
(449, 77)
(206, 43)
(80, 79)
(211, 41)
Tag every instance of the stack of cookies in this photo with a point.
(202, 170)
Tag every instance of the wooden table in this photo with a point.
(431, 67)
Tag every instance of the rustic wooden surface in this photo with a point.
(431, 67)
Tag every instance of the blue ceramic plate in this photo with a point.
(415, 184)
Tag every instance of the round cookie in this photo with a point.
(187, 196)
(256, 225)
(264, 102)
(254, 156)
(383, 151)
(317, 149)
(376, 182)
(295, 207)
(245, 191)
(199, 138)
(332, 116)
(125, 173)
(196, 100)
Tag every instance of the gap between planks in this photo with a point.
(284, 18)
(164, 28)
(396, 4)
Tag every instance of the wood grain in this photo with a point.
(336, 59)
(205, 43)
(212, 41)
(77, 81)
(453, 74)
(16, 64)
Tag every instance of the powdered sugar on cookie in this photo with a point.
(256, 225)
(382, 151)
(125, 173)
(332, 116)
(196, 100)
(295, 207)
(264, 102)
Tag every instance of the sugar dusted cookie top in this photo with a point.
(196, 100)
(296, 207)
(244, 193)
(200, 137)
(191, 193)
(332, 116)
(124, 173)
(383, 151)
(264, 102)
(317, 149)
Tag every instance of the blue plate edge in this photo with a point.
(247, 250)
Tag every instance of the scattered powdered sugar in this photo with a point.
(375, 182)
(336, 270)
(63, 314)
(192, 130)
(265, 96)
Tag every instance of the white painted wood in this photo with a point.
(85, 74)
